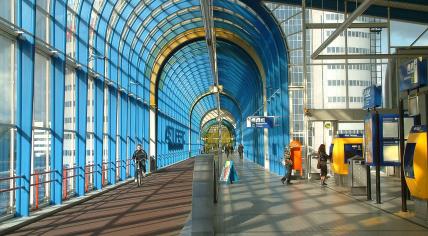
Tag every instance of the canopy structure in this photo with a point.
(116, 73)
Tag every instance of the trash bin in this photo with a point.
(152, 164)
(357, 178)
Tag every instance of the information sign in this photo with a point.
(413, 74)
(260, 121)
(372, 97)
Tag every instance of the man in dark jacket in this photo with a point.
(140, 158)
(241, 150)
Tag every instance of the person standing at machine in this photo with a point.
(288, 164)
(322, 163)
(241, 151)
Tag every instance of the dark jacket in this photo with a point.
(323, 157)
(140, 155)
(240, 148)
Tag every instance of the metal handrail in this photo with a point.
(43, 182)
(10, 178)
(9, 189)
(43, 173)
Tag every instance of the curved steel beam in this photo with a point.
(197, 100)
(226, 123)
(215, 109)
(193, 35)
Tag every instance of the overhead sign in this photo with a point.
(260, 121)
(174, 138)
(372, 97)
(413, 74)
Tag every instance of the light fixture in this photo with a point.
(78, 66)
(54, 53)
(20, 34)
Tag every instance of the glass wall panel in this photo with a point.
(7, 111)
(105, 136)
(7, 10)
(90, 137)
(39, 168)
(7, 166)
(41, 144)
(69, 149)
(42, 20)
(41, 92)
(7, 80)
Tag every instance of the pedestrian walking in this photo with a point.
(288, 164)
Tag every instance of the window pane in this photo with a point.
(6, 169)
(7, 10)
(42, 20)
(41, 92)
(6, 81)
(40, 164)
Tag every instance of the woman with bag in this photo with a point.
(288, 163)
(322, 163)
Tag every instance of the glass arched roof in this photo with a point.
(160, 46)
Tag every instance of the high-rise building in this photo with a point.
(331, 84)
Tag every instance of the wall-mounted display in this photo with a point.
(413, 73)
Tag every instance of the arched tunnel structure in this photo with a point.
(119, 73)
(252, 62)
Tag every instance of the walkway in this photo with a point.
(160, 207)
(261, 205)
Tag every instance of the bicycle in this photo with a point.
(139, 174)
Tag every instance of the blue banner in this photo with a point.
(372, 97)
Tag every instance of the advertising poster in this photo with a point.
(225, 173)
(229, 174)
(368, 139)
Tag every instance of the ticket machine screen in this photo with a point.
(352, 150)
(409, 172)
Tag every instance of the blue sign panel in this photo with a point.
(372, 97)
(413, 74)
(260, 121)
(386, 135)
(174, 138)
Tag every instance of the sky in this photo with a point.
(403, 34)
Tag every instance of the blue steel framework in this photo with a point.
(116, 44)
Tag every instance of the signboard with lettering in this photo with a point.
(413, 74)
(228, 173)
(174, 138)
(372, 97)
(260, 121)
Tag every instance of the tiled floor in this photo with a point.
(259, 204)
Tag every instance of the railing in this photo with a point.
(12, 180)
(89, 178)
(40, 178)
(167, 159)
(7, 195)
(104, 173)
(65, 181)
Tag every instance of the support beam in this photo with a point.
(415, 53)
(353, 25)
(360, 10)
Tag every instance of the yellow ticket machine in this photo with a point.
(345, 147)
(415, 162)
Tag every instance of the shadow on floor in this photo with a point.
(160, 207)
